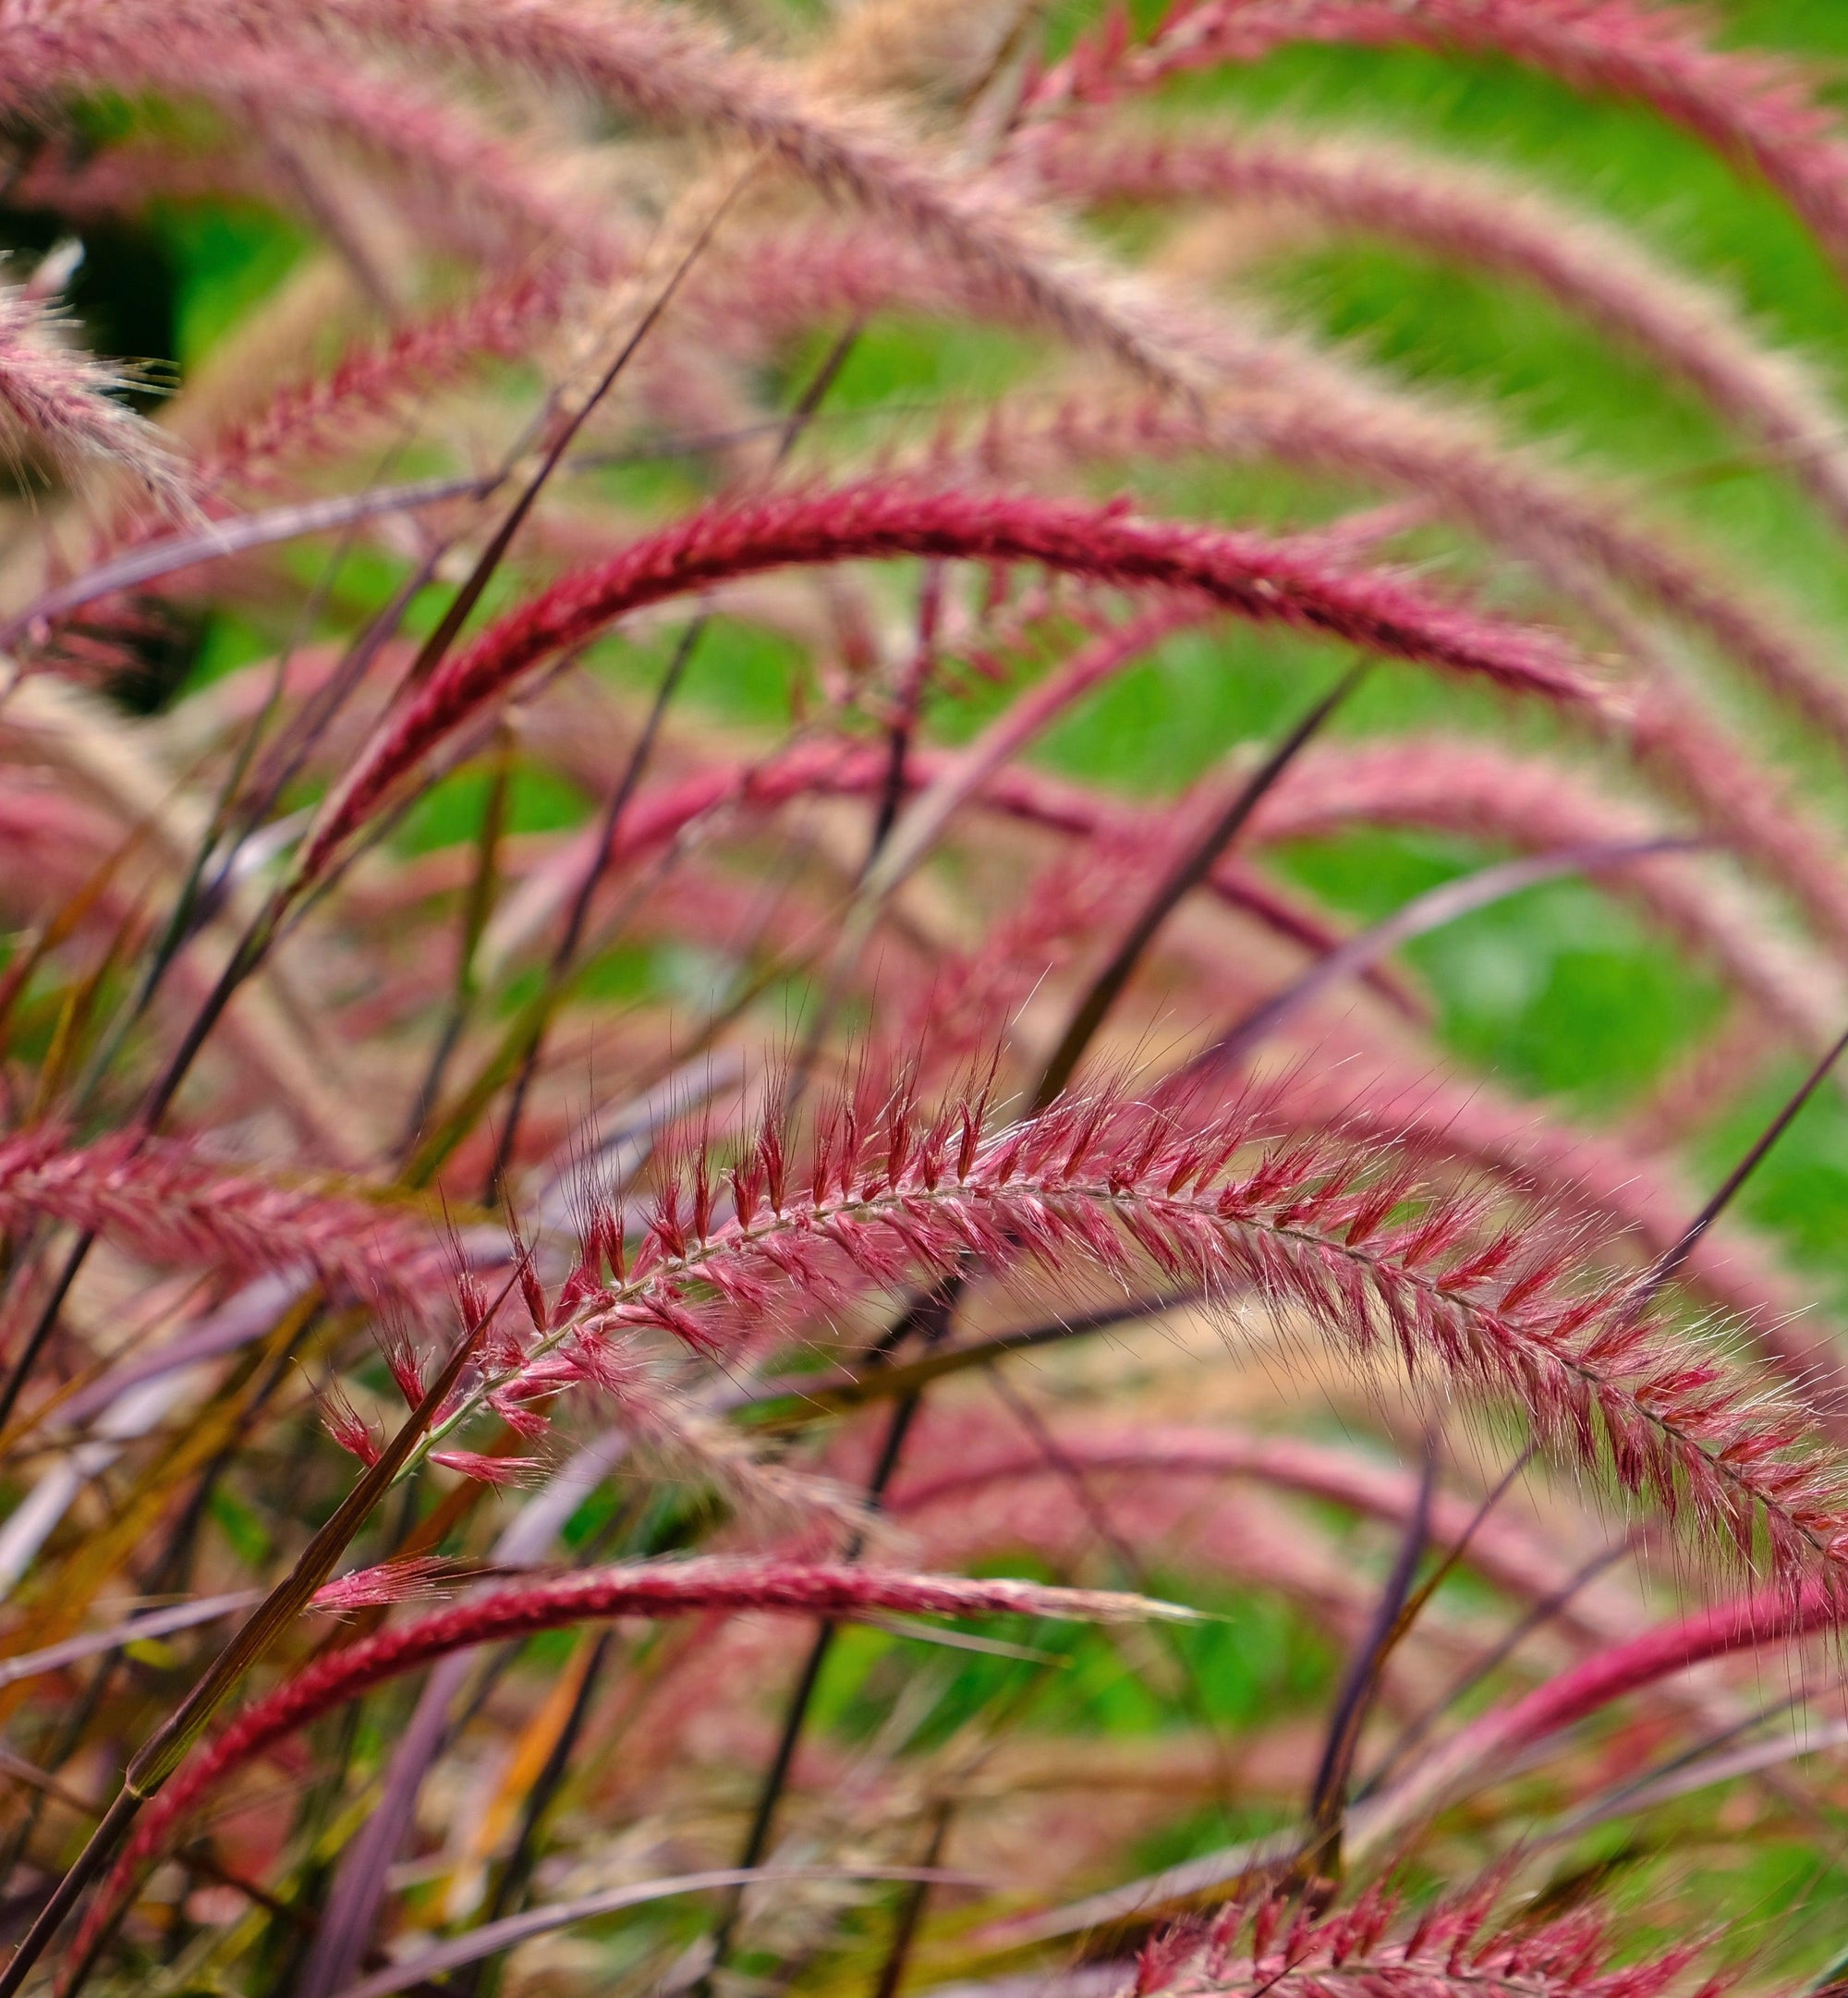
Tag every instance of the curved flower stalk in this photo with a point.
(1747, 804)
(492, 193)
(1482, 791)
(1276, 397)
(432, 141)
(1258, 579)
(663, 66)
(60, 404)
(1477, 789)
(1474, 1754)
(1479, 217)
(1776, 1616)
(498, 320)
(1494, 1311)
(489, 194)
(167, 1203)
(960, 1460)
(1745, 103)
(123, 180)
(1572, 1169)
(1313, 412)
(666, 1589)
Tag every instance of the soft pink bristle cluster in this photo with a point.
(1500, 1307)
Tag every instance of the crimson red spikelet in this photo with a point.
(1246, 573)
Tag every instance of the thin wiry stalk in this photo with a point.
(1189, 870)
(468, 1951)
(1668, 1264)
(934, 1314)
(167, 1747)
(515, 1876)
(474, 919)
(1234, 1045)
(1560, 1604)
(1480, 790)
(1328, 1795)
(577, 914)
(159, 558)
(1776, 1616)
